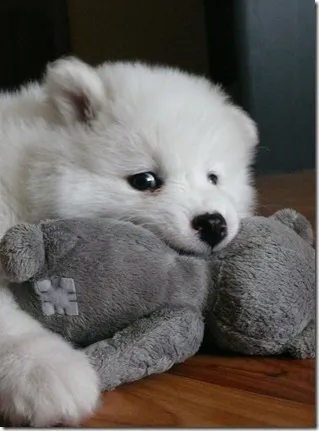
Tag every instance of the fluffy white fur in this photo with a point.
(67, 148)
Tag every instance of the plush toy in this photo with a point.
(137, 306)
(264, 288)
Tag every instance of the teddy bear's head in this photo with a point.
(264, 284)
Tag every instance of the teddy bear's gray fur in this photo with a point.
(265, 299)
(138, 307)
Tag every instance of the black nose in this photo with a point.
(212, 228)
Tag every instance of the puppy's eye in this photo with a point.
(145, 181)
(213, 178)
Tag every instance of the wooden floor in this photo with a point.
(226, 391)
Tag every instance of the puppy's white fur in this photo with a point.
(67, 148)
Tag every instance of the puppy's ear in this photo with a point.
(247, 126)
(75, 90)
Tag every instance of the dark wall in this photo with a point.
(157, 31)
(32, 33)
(275, 46)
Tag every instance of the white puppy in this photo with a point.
(154, 145)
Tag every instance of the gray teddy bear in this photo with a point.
(138, 307)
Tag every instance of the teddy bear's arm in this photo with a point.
(151, 345)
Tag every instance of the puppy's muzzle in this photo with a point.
(212, 228)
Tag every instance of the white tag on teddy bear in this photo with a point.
(57, 296)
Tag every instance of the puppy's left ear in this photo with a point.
(75, 90)
(247, 126)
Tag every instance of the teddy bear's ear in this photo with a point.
(295, 221)
(22, 252)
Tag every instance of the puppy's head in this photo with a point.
(153, 145)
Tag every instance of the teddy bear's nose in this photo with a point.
(212, 228)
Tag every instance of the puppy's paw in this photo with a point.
(44, 382)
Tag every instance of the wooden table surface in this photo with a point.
(210, 390)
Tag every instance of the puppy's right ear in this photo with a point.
(75, 90)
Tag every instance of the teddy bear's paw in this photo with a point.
(44, 382)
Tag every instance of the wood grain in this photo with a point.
(226, 391)
(296, 190)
